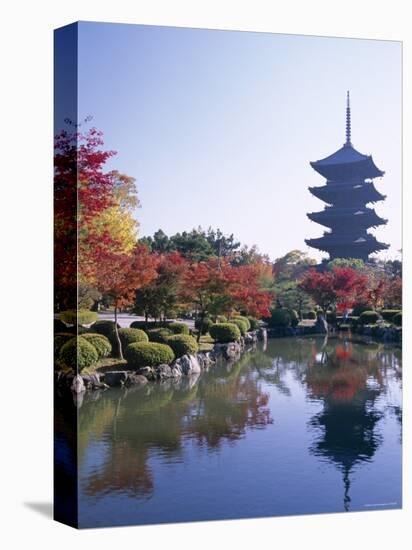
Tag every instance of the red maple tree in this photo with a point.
(120, 275)
(243, 286)
(215, 287)
(341, 285)
(82, 191)
(393, 293)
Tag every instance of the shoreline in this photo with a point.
(188, 365)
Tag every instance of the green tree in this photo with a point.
(354, 263)
(289, 295)
(292, 265)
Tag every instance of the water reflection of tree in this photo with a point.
(156, 421)
(282, 357)
(228, 405)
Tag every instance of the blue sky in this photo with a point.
(218, 127)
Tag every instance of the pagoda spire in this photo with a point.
(348, 121)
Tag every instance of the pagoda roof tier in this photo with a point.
(347, 163)
(349, 218)
(336, 245)
(353, 193)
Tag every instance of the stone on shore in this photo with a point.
(148, 372)
(115, 377)
(189, 364)
(134, 379)
(78, 384)
(163, 371)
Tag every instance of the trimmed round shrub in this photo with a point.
(368, 318)
(241, 324)
(60, 338)
(59, 326)
(388, 314)
(78, 354)
(224, 332)
(244, 319)
(397, 319)
(100, 342)
(131, 335)
(221, 319)
(283, 317)
(127, 336)
(182, 344)
(207, 323)
(178, 328)
(78, 317)
(254, 323)
(159, 335)
(148, 354)
(104, 327)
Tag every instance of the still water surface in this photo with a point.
(303, 426)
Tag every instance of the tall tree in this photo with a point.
(215, 287)
(121, 275)
(341, 285)
(204, 289)
(244, 288)
(118, 219)
(93, 207)
(393, 293)
(292, 265)
(160, 298)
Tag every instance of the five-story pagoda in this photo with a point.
(349, 188)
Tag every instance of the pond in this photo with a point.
(301, 426)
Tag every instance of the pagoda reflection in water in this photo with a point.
(347, 422)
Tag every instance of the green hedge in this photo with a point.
(131, 335)
(159, 335)
(60, 338)
(241, 324)
(245, 320)
(283, 317)
(221, 319)
(78, 317)
(148, 354)
(100, 342)
(182, 344)
(388, 314)
(225, 332)
(104, 327)
(254, 323)
(207, 323)
(368, 318)
(397, 319)
(178, 328)
(78, 354)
